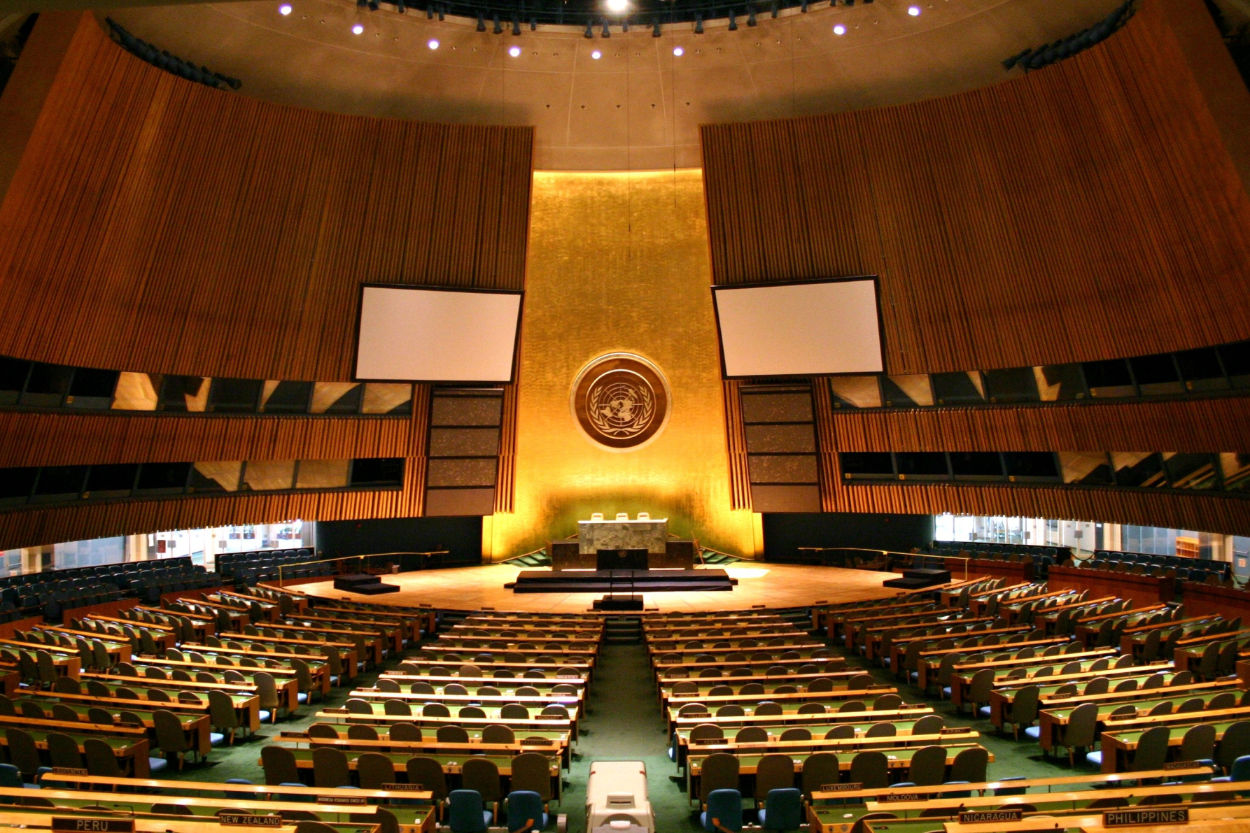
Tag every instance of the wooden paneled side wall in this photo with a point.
(1083, 211)
(158, 225)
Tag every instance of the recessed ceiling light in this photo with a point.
(678, 51)
(839, 29)
(596, 55)
(432, 43)
(514, 51)
(618, 6)
(358, 28)
(284, 9)
(914, 11)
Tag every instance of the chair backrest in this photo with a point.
(773, 771)
(428, 772)
(871, 768)
(525, 811)
(451, 734)
(22, 751)
(1152, 748)
(464, 812)
(819, 770)
(373, 769)
(1198, 743)
(63, 750)
(481, 774)
(720, 771)
(724, 811)
(169, 734)
(362, 731)
(751, 734)
(970, 765)
(279, 765)
(531, 772)
(783, 809)
(1234, 744)
(330, 768)
(928, 766)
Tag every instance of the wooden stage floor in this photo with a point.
(770, 585)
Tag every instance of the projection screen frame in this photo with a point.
(876, 287)
(516, 333)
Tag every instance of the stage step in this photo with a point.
(909, 583)
(363, 583)
(622, 630)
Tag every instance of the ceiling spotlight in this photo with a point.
(914, 11)
(803, 7)
(733, 21)
(498, 29)
(358, 28)
(514, 51)
(516, 26)
(284, 9)
(618, 6)
(655, 29)
(481, 22)
(773, 10)
(590, 29)
(401, 7)
(432, 43)
(595, 55)
(751, 17)
(373, 5)
(678, 52)
(698, 23)
(606, 32)
(839, 29)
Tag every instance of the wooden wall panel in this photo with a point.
(1196, 426)
(72, 523)
(1087, 210)
(159, 225)
(1211, 513)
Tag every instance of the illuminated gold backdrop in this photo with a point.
(619, 262)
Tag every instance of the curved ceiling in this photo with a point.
(635, 106)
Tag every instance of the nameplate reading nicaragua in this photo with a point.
(849, 786)
(1128, 818)
(982, 816)
(249, 820)
(65, 825)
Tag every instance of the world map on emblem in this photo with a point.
(620, 401)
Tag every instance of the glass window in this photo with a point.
(234, 396)
(921, 465)
(322, 474)
(184, 394)
(855, 392)
(1030, 466)
(1236, 360)
(269, 475)
(1235, 469)
(1201, 369)
(163, 478)
(47, 386)
(1108, 379)
(1190, 471)
(1059, 382)
(907, 391)
(1010, 385)
(860, 465)
(60, 482)
(1156, 375)
(111, 480)
(1085, 468)
(215, 477)
(136, 392)
(387, 398)
(335, 398)
(958, 388)
(92, 388)
(12, 379)
(976, 465)
(1138, 469)
(377, 473)
(286, 397)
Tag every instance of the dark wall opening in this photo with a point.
(461, 537)
(784, 534)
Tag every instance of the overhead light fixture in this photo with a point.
(698, 23)
(617, 6)
(590, 29)
(432, 43)
(839, 29)
(498, 28)
(751, 17)
(481, 22)
(733, 21)
(401, 7)
(803, 7)
(516, 26)
(373, 5)
(625, 25)
(606, 33)
(655, 29)
(773, 9)
(514, 51)
(358, 29)
(284, 9)
(678, 52)
(533, 23)
(914, 11)
(595, 54)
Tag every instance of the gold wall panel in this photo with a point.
(619, 263)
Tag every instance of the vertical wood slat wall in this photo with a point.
(1087, 210)
(160, 226)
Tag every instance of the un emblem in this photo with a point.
(620, 401)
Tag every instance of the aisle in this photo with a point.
(624, 724)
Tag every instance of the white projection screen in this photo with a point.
(799, 329)
(411, 334)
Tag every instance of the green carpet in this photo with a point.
(623, 722)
